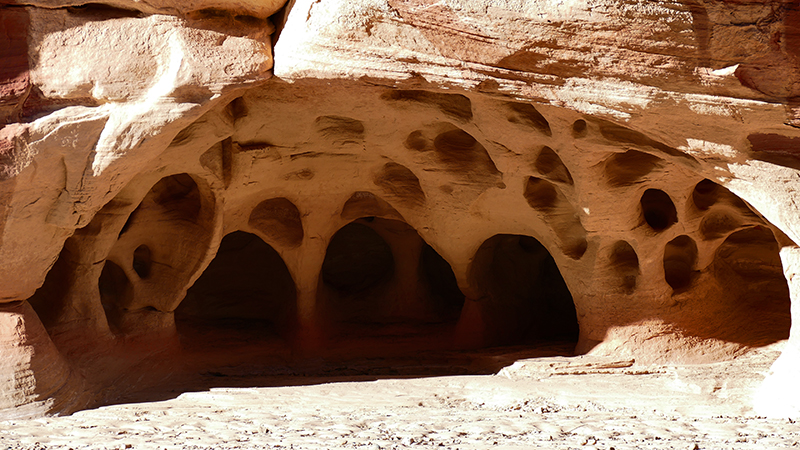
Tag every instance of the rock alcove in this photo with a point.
(225, 202)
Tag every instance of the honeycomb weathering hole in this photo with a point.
(717, 224)
(525, 300)
(658, 210)
(680, 258)
(401, 183)
(246, 285)
(463, 154)
(142, 261)
(709, 195)
(526, 114)
(279, 220)
(416, 140)
(454, 105)
(540, 194)
(579, 128)
(340, 129)
(625, 262)
(705, 194)
(549, 164)
(625, 169)
(179, 195)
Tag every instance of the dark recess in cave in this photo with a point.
(246, 285)
(658, 209)
(525, 298)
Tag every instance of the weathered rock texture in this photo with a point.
(413, 175)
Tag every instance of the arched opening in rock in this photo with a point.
(245, 291)
(658, 209)
(756, 303)
(380, 278)
(357, 263)
(525, 299)
(158, 249)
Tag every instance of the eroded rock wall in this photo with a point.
(470, 173)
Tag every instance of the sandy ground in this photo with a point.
(550, 402)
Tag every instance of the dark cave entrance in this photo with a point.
(757, 309)
(524, 300)
(380, 278)
(246, 289)
(752, 306)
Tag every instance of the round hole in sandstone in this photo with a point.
(462, 155)
(579, 128)
(417, 141)
(400, 183)
(246, 288)
(460, 151)
(455, 144)
(680, 258)
(142, 261)
(705, 194)
(658, 210)
(525, 298)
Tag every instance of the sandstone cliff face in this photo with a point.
(460, 174)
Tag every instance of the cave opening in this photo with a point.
(380, 279)
(757, 307)
(245, 292)
(525, 300)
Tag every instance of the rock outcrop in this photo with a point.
(414, 175)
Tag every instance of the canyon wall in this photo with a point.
(461, 174)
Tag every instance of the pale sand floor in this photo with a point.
(549, 403)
